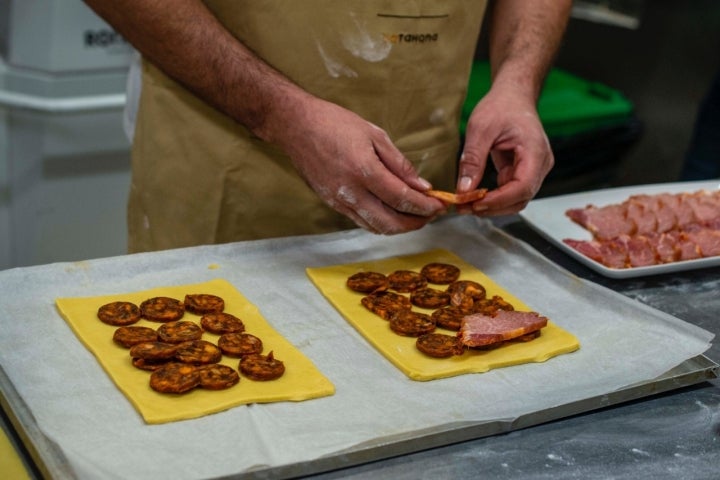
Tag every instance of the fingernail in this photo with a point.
(464, 183)
(425, 184)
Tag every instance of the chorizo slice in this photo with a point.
(457, 198)
(367, 282)
(148, 365)
(198, 352)
(239, 344)
(119, 314)
(449, 317)
(175, 378)
(261, 367)
(429, 298)
(221, 322)
(440, 273)
(218, 377)
(438, 345)
(153, 351)
(386, 304)
(134, 334)
(405, 281)
(411, 324)
(180, 331)
(202, 303)
(490, 306)
(464, 293)
(162, 309)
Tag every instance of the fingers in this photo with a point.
(396, 183)
(357, 170)
(370, 213)
(515, 141)
(520, 176)
(396, 162)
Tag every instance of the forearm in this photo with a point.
(185, 40)
(524, 39)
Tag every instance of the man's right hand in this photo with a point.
(355, 168)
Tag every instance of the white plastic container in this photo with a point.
(60, 36)
(64, 158)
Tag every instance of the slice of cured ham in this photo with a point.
(603, 222)
(478, 330)
(649, 230)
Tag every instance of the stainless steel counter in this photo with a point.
(674, 435)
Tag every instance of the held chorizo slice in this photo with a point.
(162, 309)
(201, 303)
(458, 198)
(119, 314)
(261, 367)
(367, 282)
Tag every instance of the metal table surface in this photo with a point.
(674, 435)
(670, 435)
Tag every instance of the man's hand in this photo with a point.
(354, 167)
(508, 129)
(524, 37)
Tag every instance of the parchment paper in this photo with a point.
(79, 409)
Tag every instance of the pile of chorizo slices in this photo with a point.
(175, 352)
(454, 304)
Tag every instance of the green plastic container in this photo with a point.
(568, 105)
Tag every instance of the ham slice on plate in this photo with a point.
(478, 330)
(647, 230)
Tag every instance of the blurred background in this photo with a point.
(638, 71)
(664, 66)
(619, 107)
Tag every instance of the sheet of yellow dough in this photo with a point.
(11, 465)
(401, 351)
(301, 381)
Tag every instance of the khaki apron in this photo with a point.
(198, 177)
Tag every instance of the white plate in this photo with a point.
(547, 217)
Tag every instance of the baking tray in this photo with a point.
(547, 217)
(59, 443)
(51, 463)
